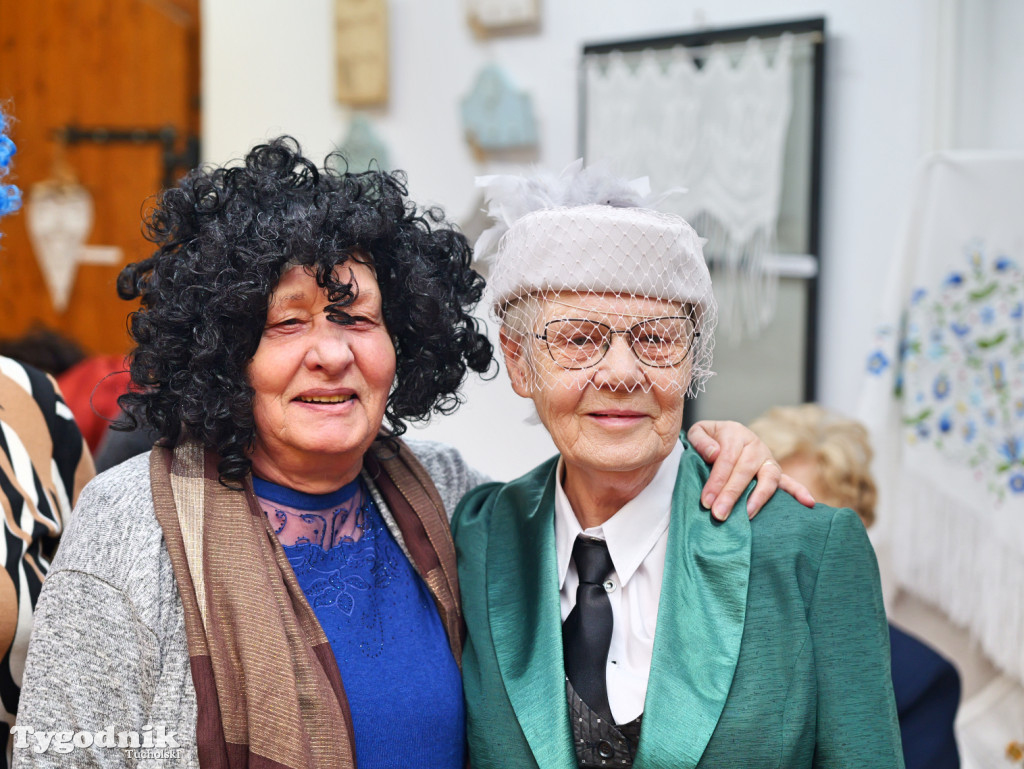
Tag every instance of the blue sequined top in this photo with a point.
(400, 677)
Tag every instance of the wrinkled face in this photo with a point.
(617, 414)
(321, 388)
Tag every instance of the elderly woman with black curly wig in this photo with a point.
(210, 598)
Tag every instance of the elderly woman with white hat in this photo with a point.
(611, 620)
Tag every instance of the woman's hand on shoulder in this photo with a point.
(737, 456)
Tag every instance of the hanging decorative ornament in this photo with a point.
(59, 218)
(361, 52)
(719, 130)
(362, 148)
(496, 17)
(495, 115)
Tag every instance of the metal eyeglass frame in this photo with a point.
(610, 334)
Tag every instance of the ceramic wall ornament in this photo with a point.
(496, 116)
(488, 18)
(362, 148)
(361, 51)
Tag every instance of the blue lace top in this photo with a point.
(400, 677)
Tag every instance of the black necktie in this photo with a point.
(587, 631)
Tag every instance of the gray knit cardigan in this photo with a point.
(108, 653)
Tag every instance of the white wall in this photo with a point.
(268, 69)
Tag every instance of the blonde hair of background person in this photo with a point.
(832, 454)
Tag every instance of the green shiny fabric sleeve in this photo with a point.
(857, 722)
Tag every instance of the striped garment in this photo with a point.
(43, 466)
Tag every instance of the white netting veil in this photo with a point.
(593, 285)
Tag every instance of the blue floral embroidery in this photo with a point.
(1011, 450)
(350, 578)
(945, 423)
(960, 371)
(878, 363)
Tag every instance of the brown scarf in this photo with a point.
(268, 690)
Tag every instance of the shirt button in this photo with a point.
(609, 586)
(604, 749)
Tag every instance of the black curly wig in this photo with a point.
(224, 235)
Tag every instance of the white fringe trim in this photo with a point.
(950, 554)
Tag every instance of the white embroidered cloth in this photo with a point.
(944, 399)
(718, 130)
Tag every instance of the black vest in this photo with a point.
(598, 743)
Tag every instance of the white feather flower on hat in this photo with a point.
(510, 197)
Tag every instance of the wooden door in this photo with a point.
(123, 65)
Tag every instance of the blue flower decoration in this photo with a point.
(1011, 449)
(918, 295)
(954, 279)
(960, 329)
(1016, 483)
(922, 430)
(1003, 264)
(7, 149)
(941, 386)
(988, 314)
(1018, 311)
(877, 362)
(10, 196)
(945, 423)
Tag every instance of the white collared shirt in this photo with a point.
(637, 536)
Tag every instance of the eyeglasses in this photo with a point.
(576, 343)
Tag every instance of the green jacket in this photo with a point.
(771, 648)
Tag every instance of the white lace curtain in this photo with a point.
(719, 131)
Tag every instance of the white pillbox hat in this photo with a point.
(601, 249)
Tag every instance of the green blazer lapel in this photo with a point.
(700, 625)
(525, 616)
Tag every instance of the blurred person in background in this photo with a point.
(44, 463)
(832, 456)
(91, 384)
(45, 349)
